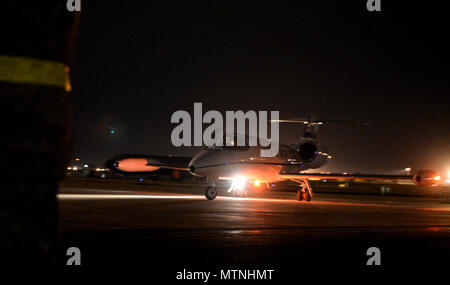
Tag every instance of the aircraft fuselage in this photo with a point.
(228, 162)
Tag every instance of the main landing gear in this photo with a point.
(211, 192)
(305, 193)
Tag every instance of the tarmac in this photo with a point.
(170, 226)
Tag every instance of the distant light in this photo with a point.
(75, 168)
(69, 168)
(324, 180)
(141, 179)
(408, 169)
(273, 185)
(85, 165)
(112, 132)
(437, 178)
(257, 183)
(97, 169)
(77, 159)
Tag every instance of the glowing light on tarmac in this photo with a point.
(132, 196)
(273, 200)
(125, 196)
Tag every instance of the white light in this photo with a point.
(239, 182)
(75, 168)
(69, 168)
(86, 165)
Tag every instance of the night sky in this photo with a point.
(136, 63)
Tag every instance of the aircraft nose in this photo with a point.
(194, 163)
(199, 161)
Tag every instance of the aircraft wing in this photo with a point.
(344, 176)
(421, 178)
(143, 163)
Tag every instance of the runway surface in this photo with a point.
(171, 227)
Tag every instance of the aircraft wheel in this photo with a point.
(306, 196)
(299, 195)
(210, 193)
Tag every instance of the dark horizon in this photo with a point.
(137, 63)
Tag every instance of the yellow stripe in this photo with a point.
(18, 69)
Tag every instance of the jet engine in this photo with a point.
(313, 154)
(426, 178)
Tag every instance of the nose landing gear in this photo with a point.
(211, 192)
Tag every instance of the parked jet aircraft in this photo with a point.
(242, 164)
